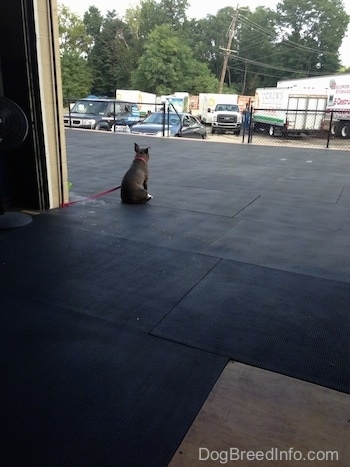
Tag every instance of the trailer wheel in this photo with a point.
(335, 129)
(345, 130)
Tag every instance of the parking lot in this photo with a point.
(291, 141)
(301, 141)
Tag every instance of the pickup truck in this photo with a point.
(226, 117)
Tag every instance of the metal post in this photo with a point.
(329, 129)
(163, 119)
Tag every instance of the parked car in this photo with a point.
(102, 114)
(175, 124)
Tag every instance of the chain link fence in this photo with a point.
(297, 128)
(272, 127)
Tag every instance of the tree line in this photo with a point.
(156, 48)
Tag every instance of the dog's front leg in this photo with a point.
(145, 185)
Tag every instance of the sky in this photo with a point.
(198, 9)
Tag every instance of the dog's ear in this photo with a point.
(145, 151)
(137, 149)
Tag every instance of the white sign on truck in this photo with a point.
(338, 106)
(284, 110)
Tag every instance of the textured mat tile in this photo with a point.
(291, 189)
(76, 391)
(289, 248)
(210, 201)
(288, 323)
(119, 280)
(156, 225)
(299, 214)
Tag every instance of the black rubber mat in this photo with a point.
(83, 383)
(289, 323)
(119, 280)
(78, 391)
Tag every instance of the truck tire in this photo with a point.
(212, 130)
(335, 129)
(102, 126)
(272, 130)
(345, 130)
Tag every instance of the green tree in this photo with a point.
(76, 76)
(253, 64)
(75, 44)
(206, 36)
(167, 65)
(174, 12)
(112, 57)
(311, 34)
(72, 33)
(93, 22)
(154, 13)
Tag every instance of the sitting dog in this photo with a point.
(134, 188)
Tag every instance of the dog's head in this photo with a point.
(141, 153)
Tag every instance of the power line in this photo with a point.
(288, 43)
(266, 65)
(254, 72)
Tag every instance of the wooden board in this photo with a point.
(274, 417)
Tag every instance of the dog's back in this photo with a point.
(134, 188)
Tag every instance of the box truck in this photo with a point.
(338, 106)
(179, 102)
(337, 88)
(145, 100)
(289, 110)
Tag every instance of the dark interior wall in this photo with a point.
(23, 169)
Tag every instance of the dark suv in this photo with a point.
(102, 114)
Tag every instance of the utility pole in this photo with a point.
(228, 51)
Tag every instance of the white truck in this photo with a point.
(338, 106)
(312, 82)
(209, 101)
(337, 88)
(178, 101)
(145, 100)
(280, 111)
(226, 117)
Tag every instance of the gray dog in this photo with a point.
(134, 188)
